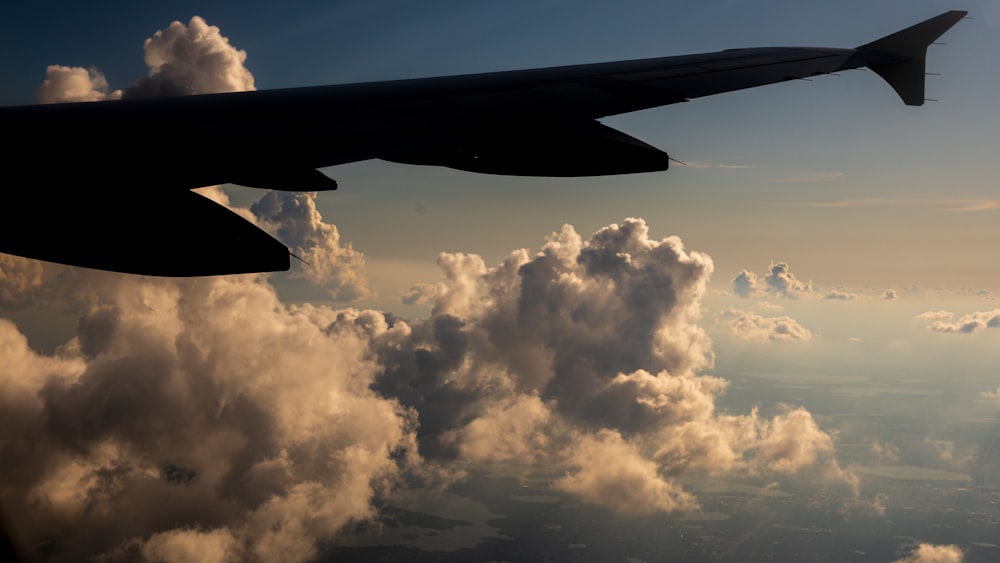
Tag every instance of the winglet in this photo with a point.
(899, 58)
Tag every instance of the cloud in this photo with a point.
(959, 458)
(751, 326)
(20, 280)
(779, 281)
(259, 429)
(292, 217)
(506, 431)
(838, 295)
(889, 295)
(933, 553)
(745, 284)
(74, 84)
(207, 398)
(191, 59)
(885, 453)
(935, 316)
(967, 324)
(609, 471)
(782, 281)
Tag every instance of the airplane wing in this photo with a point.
(539, 122)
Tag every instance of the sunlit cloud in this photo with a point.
(751, 326)
(933, 553)
(838, 295)
(191, 59)
(74, 84)
(967, 324)
(779, 281)
(260, 429)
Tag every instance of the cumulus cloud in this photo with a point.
(607, 470)
(779, 281)
(782, 281)
(745, 284)
(889, 294)
(208, 399)
(933, 553)
(20, 280)
(191, 59)
(966, 324)
(258, 429)
(751, 326)
(74, 84)
(959, 458)
(293, 218)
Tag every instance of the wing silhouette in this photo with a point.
(539, 122)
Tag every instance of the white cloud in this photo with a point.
(191, 59)
(74, 84)
(782, 281)
(294, 219)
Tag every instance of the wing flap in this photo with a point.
(180, 234)
(563, 149)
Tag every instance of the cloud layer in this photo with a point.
(967, 324)
(205, 416)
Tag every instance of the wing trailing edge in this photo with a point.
(183, 234)
(900, 58)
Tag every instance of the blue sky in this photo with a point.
(867, 230)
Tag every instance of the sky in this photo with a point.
(452, 323)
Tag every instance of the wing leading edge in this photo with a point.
(539, 122)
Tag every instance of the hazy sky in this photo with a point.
(822, 233)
